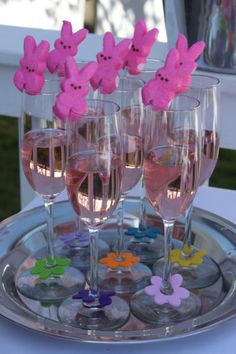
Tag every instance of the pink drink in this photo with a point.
(133, 156)
(43, 155)
(93, 183)
(211, 143)
(169, 180)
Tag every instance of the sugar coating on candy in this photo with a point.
(141, 46)
(66, 45)
(71, 103)
(110, 61)
(186, 55)
(30, 75)
(167, 82)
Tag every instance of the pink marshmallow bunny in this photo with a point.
(29, 77)
(66, 45)
(187, 55)
(110, 61)
(71, 104)
(142, 43)
(160, 90)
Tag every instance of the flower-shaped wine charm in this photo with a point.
(174, 298)
(192, 259)
(87, 296)
(46, 268)
(81, 237)
(126, 260)
(150, 232)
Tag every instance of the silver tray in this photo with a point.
(22, 235)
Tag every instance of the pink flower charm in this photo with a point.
(173, 299)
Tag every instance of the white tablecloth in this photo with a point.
(221, 339)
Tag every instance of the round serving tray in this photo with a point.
(23, 235)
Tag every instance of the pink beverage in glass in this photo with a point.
(133, 160)
(43, 154)
(93, 183)
(211, 143)
(169, 179)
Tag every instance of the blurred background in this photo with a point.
(99, 16)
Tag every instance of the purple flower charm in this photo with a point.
(138, 233)
(70, 238)
(173, 299)
(88, 296)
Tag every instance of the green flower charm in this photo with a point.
(48, 267)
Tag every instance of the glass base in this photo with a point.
(144, 308)
(79, 253)
(197, 277)
(147, 249)
(52, 289)
(124, 280)
(110, 317)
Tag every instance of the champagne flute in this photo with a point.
(43, 156)
(171, 171)
(121, 270)
(93, 179)
(144, 241)
(198, 269)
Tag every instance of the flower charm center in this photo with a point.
(113, 260)
(90, 297)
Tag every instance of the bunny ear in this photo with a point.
(108, 41)
(29, 46)
(196, 49)
(140, 28)
(172, 58)
(71, 68)
(123, 47)
(181, 43)
(80, 35)
(66, 29)
(150, 36)
(42, 50)
(88, 70)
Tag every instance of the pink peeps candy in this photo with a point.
(160, 90)
(187, 55)
(110, 61)
(30, 76)
(142, 43)
(71, 103)
(66, 45)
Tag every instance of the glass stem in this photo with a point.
(187, 242)
(120, 230)
(49, 207)
(168, 231)
(143, 215)
(93, 278)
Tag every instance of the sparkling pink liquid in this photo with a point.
(43, 155)
(133, 157)
(93, 183)
(209, 157)
(169, 180)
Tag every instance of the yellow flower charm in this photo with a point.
(126, 260)
(192, 259)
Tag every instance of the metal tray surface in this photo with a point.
(23, 235)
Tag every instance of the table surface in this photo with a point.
(15, 339)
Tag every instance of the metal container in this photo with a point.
(213, 21)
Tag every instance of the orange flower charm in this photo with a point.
(126, 260)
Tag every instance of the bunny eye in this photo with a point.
(61, 42)
(159, 74)
(166, 80)
(79, 87)
(72, 85)
(109, 57)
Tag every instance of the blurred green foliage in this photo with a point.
(224, 175)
